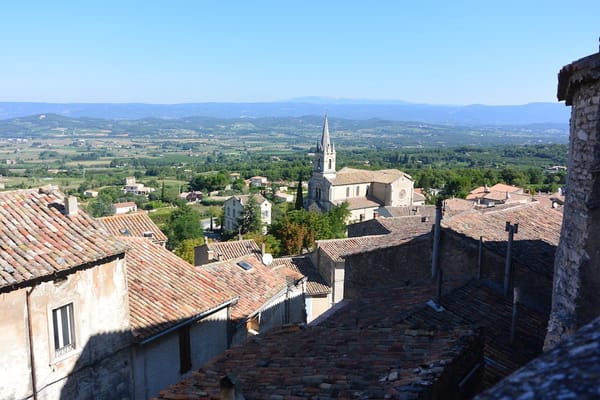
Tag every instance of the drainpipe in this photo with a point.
(30, 336)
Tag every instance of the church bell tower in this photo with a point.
(325, 154)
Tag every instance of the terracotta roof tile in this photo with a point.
(337, 249)
(38, 240)
(388, 344)
(347, 176)
(315, 284)
(165, 289)
(255, 286)
(233, 249)
(133, 224)
(536, 240)
(367, 350)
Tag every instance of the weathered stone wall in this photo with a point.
(458, 260)
(406, 263)
(411, 262)
(577, 267)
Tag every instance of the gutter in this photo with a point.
(190, 320)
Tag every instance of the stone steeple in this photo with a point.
(325, 154)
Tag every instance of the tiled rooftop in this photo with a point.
(347, 176)
(358, 203)
(337, 249)
(366, 350)
(254, 287)
(476, 305)
(165, 290)
(569, 371)
(37, 240)
(388, 343)
(536, 240)
(315, 284)
(134, 224)
(233, 249)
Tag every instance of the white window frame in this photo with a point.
(67, 341)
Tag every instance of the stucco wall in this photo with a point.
(316, 305)
(157, 364)
(99, 298)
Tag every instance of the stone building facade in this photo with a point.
(364, 191)
(576, 278)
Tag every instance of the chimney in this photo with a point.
(71, 208)
(262, 249)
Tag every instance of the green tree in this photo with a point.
(299, 195)
(250, 221)
(186, 247)
(183, 223)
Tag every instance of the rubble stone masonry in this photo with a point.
(575, 300)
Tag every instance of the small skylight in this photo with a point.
(125, 232)
(246, 266)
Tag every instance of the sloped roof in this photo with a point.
(536, 240)
(133, 224)
(165, 290)
(315, 284)
(125, 204)
(349, 176)
(568, 371)
(476, 304)
(357, 203)
(337, 249)
(365, 350)
(407, 226)
(37, 240)
(255, 286)
(243, 198)
(234, 249)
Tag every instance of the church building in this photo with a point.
(366, 192)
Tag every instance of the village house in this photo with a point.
(212, 251)
(62, 285)
(234, 209)
(268, 298)
(136, 188)
(191, 197)
(258, 181)
(318, 293)
(179, 316)
(104, 317)
(137, 224)
(124, 208)
(498, 194)
(364, 191)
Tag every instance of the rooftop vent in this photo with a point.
(148, 234)
(125, 232)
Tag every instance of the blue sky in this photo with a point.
(437, 52)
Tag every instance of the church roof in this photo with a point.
(349, 176)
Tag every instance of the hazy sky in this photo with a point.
(440, 52)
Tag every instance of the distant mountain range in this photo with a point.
(532, 113)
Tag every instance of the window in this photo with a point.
(64, 332)
(185, 349)
(330, 163)
(347, 192)
(357, 191)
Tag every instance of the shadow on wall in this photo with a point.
(532, 265)
(112, 365)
